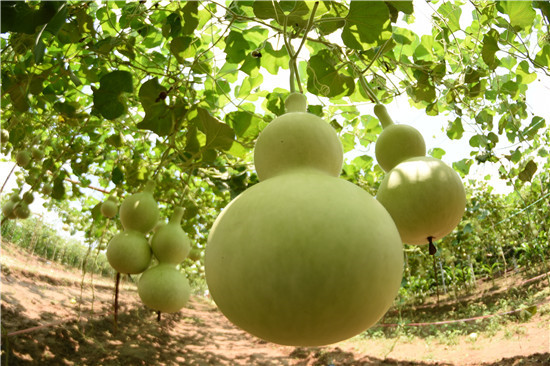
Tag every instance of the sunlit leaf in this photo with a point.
(367, 25)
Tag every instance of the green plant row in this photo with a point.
(39, 238)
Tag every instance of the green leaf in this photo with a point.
(367, 25)
(527, 173)
(17, 16)
(490, 47)
(272, 60)
(218, 134)
(523, 74)
(151, 92)
(451, 13)
(463, 166)
(107, 97)
(268, 10)
(478, 141)
(403, 6)
(117, 176)
(190, 17)
(275, 101)
(235, 47)
(533, 129)
(424, 90)
(330, 25)
(324, 78)
(158, 118)
(437, 152)
(245, 124)
(543, 57)
(248, 85)
(521, 13)
(181, 48)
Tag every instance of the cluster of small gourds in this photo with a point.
(162, 287)
(17, 207)
(306, 259)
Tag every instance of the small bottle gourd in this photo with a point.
(303, 258)
(139, 211)
(109, 208)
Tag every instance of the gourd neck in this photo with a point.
(382, 114)
(177, 216)
(150, 187)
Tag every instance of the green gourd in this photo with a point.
(23, 158)
(164, 288)
(396, 143)
(425, 198)
(303, 258)
(129, 252)
(139, 211)
(22, 210)
(170, 243)
(295, 140)
(109, 208)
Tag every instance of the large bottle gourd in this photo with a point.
(303, 258)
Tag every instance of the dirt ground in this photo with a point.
(51, 316)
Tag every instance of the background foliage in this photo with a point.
(116, 93)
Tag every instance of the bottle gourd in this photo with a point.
(303, 258)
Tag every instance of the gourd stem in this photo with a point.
(367, 89)
(433, 250)
(158, 316)
(115, 305)
(292, 63)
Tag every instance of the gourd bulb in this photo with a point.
(398, 143)
(297, 139)
(304, 259)
(425, 198)
(129, 252)
(139, 211)
(170, 243)
(22, 210)
(164, 288)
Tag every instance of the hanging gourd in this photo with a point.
(164, 288)
(303, 258)
(139, 211)
(425, 198)
(170, 243)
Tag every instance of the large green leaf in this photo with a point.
(367, 25)
(218, 134)
(521, 13)
(325, 79)
(273, 59)
(190, 17)
(235, 47)
(543, 57)
(451, 13)
(107, 99)
(245, 124)
(490, 47)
